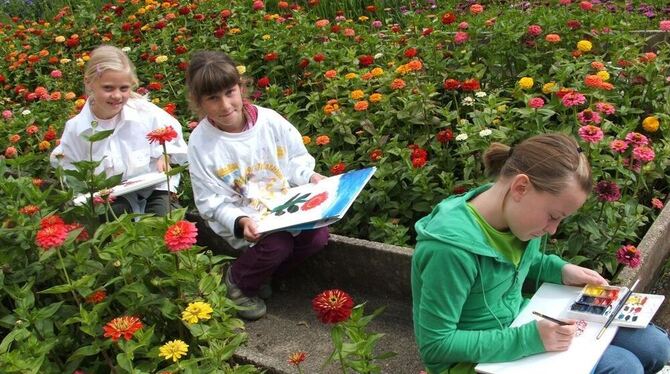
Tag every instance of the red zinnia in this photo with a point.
(182, 235)
(263, 82)
(410, 52)
(338, 168)
(333, 306)
(628, 255)
(296, 358)
(124, 326)
(51, 237)
(445, 136)
(451, 84)
(29, 210)
(376, 155)
(448, 18)
(418, 162)
(365, 60)
(96, 297)
(607, 191)
(470, 85)
(162, 135)
(51, 220)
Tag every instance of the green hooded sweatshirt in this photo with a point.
(466, 294)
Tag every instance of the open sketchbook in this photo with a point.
(584, 352)
(313, 205)
(130, 185)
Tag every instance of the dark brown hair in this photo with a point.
(549, 160)
(208, 73)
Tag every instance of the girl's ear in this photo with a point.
(520, 186)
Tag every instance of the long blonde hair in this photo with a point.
(108, 57)
(549, 160)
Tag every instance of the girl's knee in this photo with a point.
(617, 360)
(319, 237)
(657, 352)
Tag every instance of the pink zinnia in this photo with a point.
(618, 146)
(573, 99)
(461, 37)
(180, 236)
(536, 102)
(534, 30)
(587, 116)
(643, 153)
(635, 166)
(7, 114)
(608, 191)
(56, 74)
(590, 133)
(636, 138)
(605, 108)
(664, 25)
(628, 255)
(657, 203)
(51, 237)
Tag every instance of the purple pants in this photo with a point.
(276, 253)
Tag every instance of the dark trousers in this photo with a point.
(276, 253)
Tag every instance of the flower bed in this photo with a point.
(418, 92)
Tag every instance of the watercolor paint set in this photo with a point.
(596, 303)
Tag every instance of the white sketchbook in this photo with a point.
(584, 352)
(313, 205)
(130, 185)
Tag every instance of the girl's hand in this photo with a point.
(315, 178)
(249, 229)
(573, 275)
(554, 336)
(162, 165)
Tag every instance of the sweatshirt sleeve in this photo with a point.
(301, 163)
(547, 268)
(213, 201)
(443, 280)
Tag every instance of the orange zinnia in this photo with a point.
(361, 106)
(322, 140)
(162, 135)
(333, 306)
(180, 236)
(398, 84)
(125, 327)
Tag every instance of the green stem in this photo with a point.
(67, 277)
(339, 354)
(167, 169)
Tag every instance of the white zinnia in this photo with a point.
(485, 132)
(462, 137)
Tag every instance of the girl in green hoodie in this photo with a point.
(474, 252)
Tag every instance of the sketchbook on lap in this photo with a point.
(584, 352)
(313, 205)
(130, 185)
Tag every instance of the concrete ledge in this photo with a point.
(655, 249)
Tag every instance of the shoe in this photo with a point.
(265, 292)
(251, 308)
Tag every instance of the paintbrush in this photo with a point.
(617, 309)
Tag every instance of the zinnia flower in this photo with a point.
(636, 138)
(650, 124)
(322, 140)
(608, 191)
(643, 153)
(605, 108)
(618, 146)
(376, 155)
(590, 133)
(180, 236)
(573, 98)
(333, 306)
(664, 25)
(628, 255)
(29, 210)
(338, 168)
(536, 102)
(445, 136)
(361, 105)
(657, 203)
(51, 236)
(162, 135)
(584, 45)
(526, 83)
(197, 311)
(96, 297)
(397, 84)
(296, 358)
(173, 350)
(552, 38)
(125, 327)
(357, 94)
(587, 116)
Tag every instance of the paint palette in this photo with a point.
(596, 303)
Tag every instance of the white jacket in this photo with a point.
(127, 151)
(230, 171)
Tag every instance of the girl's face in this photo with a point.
(109, 92)
(531, 213)
(224, 109)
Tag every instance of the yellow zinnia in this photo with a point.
(59, 39)
(306, 139)
(173, 350)
(376, 97)
(357, 94)
(650, 124)
(351, 76)
(161, 59)
(604, 75)
(241, 69)
(548, 88)
(526, 83)
(196, 311)
(584, 45)
(377, 72)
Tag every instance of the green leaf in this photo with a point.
(63, 288)
(87, 350)
(124, 362)
(48, 311)
(11, 337)
(208, 284)
(99, 135)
